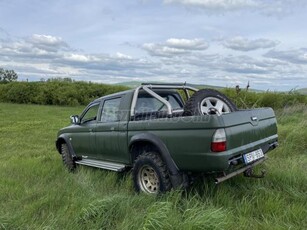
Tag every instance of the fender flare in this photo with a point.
(63, 138)
(175, 176)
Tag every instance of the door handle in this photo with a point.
(91, 130)
(112, 128)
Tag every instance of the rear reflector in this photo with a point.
(218, 143)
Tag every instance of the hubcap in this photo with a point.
(148, 179)
(213, 105)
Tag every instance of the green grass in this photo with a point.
(36, 191)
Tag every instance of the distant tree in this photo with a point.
(68, 79)
(60, 79)
(7, 75)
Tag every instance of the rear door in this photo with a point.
(107, 131)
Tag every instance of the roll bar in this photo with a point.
(147, 87)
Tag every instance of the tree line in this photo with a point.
(72, 93)
(54, 92)
(66, 91)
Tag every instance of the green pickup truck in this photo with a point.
(168, 133)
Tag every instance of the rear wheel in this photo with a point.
(150, 174)
(208, 102)
(67, 158)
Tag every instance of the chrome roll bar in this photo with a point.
(148, 88)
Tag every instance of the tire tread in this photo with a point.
(163, 171)
(67, 158)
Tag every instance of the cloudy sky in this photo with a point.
(215, 42)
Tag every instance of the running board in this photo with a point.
(102, 164)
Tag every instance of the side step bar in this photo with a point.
(102, 164)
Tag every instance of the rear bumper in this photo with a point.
(238, 171)
(228, 161)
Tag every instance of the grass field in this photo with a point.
(36, 191)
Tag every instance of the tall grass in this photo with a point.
(276, 100)
(37, 192)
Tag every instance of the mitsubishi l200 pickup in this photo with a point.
(166, 133)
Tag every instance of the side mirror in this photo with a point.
(74, 119)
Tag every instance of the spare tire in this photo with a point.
(208, 102)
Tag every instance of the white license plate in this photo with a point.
(252, 156)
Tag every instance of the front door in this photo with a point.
(83, 136)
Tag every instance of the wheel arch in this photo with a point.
(63, 139)
(143, 142)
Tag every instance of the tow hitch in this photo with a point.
(250, 173)
(247, 170)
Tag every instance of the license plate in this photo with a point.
(252, 156)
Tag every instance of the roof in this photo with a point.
(115, 94)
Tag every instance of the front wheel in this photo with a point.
(67, 158)
(150, 174)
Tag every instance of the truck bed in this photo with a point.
(188, 139)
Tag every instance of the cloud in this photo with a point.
(217, 4)
(269, 8)
(244, 65)
(174, 46)
(230, 70)
(47, 42)
(244, 44)
(162, 50)
(123, 56)
(192, 60)
(34, 47)
(295, 56)
(78, 58)
(45, 55)
(192, 44)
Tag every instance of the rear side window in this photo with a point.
(147, 103)
(110, 110)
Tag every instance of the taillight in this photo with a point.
(218, 143)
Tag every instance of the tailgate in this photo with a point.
(249, 127)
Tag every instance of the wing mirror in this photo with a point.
(74, 119)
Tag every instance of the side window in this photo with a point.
(147, 103)
(110, 110)
(91, 114)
